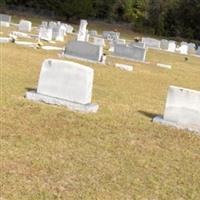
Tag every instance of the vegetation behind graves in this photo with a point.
(174, 18)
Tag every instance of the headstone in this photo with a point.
(44, 24)
(82, 34)
(164, 44)
(5, 20)
(111, 35)
(172, 46)
(25, 26)
(99, 41)
(58, 34)
(151, 42)
(182, 109)
(65, 83)
(52, 24)
(124, 67)
(184, 48)
(136, 44)
(133, 53)
(84, 50)
(191, 48)
(45, 34)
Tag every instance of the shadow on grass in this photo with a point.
(30, 89)
(148, 114)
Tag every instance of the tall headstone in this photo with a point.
(182, 109)
(82, 34)
(65, 83)
(151, 43)
(84, 50)
(25, 26)
(132, 53)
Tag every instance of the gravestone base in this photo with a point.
(161, 120)
(83, 108)
(82, 59)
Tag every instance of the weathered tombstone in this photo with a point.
(132, 53)
(136, 44)
(164, 44)
(45, 34)
(172, 46)
(184, 48)
(82, 34)
(111, 35)
(151, 43)
(58, 34)
(52, 24)
(5, 20)
(84, 50)
(191, 48)
(182, 109)
(25, 26)
(65, 83)
(99, 41)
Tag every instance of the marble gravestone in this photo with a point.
(25, 26)
(184, 48)
(172, 46)
(65, 83)
(182, 109)
(5, 20)
(82, 33)
(151, 43)
(191, 48)
(46, 34)
(84, 51)
(131, 53)
(58, 33)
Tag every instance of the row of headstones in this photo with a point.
(70, 84)
(54, 30)
(171, 46)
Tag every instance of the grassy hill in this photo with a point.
(49, 152)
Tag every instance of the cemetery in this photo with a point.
(88, 112)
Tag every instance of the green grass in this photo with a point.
(48, 152)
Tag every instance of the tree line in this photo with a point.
(172, 18)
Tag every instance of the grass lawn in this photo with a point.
(48, 152)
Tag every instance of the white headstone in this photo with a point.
(25, 26)
(198, 51)
(184, 49)
(82, 34)
(182, 109)
(65, 83)
(172, 46)
(45, 34)
(5, 18)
